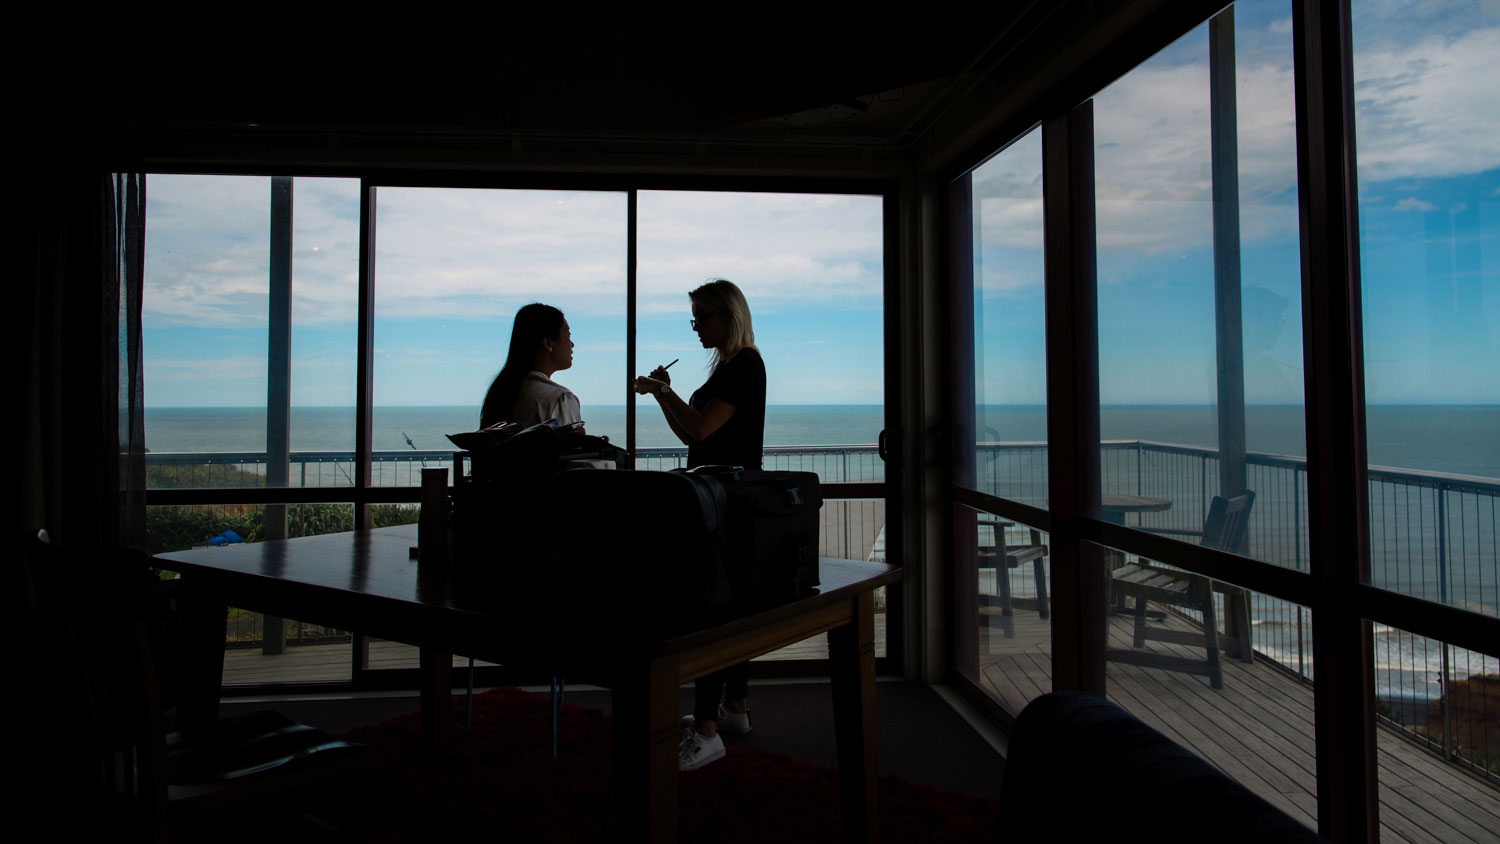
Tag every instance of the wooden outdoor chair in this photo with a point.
(1146, 582)
(98, 723)
(1002, 558)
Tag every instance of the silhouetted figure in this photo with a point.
(541, 343)
(723, 422)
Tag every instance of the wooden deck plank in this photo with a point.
(1421, 769)
(1172, 712)
(1409, 790)
(1259, 728)
(1396, 806)
(1288, 750)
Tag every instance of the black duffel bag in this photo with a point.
(771, 532)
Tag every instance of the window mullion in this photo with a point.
(1338, 535)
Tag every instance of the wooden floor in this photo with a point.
(1258, 729)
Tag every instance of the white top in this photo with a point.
(541, 399)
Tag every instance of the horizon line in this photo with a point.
(1204, 405)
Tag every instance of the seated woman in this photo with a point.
(540, 344)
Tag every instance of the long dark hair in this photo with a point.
(534, 323)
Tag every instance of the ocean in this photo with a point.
(1458, 439)
(201, 429)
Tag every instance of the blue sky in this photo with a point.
(1429, 169)
(453, 265)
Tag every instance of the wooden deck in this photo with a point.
(1258, 729)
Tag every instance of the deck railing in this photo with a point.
(1433, 536)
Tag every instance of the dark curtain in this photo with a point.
(79, 236)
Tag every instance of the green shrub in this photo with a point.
(180, 528)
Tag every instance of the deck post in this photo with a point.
(278, 382)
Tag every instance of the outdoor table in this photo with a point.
(1114, 506)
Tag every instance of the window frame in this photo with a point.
(363, 494)
(1336, 589)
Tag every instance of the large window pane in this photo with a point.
(1196, 402)
(452, 267)
(206, 325)
(1010, 368)
(811, 267)
(1201, 388)
(1429, 169)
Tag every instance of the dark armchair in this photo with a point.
(1080, 768)
(96, 732)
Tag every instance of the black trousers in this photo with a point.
(709, 690)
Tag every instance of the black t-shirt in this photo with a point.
(741, 382)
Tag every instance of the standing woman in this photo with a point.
(540, 344)
(723, 422)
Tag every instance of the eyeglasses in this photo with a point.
(694, 322)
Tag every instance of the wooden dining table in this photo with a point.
(371, 582)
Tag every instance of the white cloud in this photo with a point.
(1153, 157)
(1421, 110)
(1411, 203)
(776, 247)
(234, 367)
(1421, 116)
(479, 255)
(1011, 221)
(208, 252)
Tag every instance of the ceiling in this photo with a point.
(389, 75)
(499, 70)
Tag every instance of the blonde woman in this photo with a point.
(723, 422)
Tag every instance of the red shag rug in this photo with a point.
(499, 782)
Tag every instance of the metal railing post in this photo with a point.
(1445, 678)
(1442, 542)
(1140, 471)
(1203, 483)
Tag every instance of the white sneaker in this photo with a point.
(733, 723)
(698, 750)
